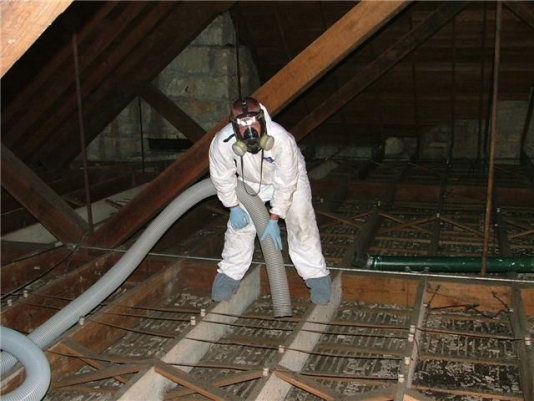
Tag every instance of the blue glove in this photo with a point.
(273, 230)
(238, 217)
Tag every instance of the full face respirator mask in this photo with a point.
(245, 129)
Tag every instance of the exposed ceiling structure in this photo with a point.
(334, 73)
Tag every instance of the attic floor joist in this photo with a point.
(159, 336)
(163, 338)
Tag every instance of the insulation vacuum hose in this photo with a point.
(109, 282)
(37, 368)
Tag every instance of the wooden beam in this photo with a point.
(115, 39)
(189, 381)
(523, 9)
(378, 67)
(350, 31)
(100, 332)
(16, 275)
(30, 312)
(309, 385)
(412, 350)
(234, 378)
(412, 395)
(521, 330)
(13, 251)
(381, 394)
(103, 187)
(43, 203)
(180, 24)
(172, 113)
(71, 347)
(99, 374)
(38, 83)
(21, 23)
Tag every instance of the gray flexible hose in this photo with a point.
(109, 282)
(37, 368)
(86, 302)
(273, 258)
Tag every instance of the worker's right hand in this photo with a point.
(238, 217)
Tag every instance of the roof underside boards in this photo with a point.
(279, 90)
(453, 66)
(125, 52)
(336, 72)
(39, 115)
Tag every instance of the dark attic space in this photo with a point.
(406, 273)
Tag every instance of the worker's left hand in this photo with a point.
(273, 231)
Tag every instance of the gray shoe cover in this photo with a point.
(319, 289)
(223, 287)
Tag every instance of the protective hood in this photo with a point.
(278, 170)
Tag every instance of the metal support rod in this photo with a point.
(141, 133)
(453, 93)
(489, 197)
(238, 64)
(82, 133)
(482, 71)
(415, 96)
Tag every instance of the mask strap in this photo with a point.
(261, 175)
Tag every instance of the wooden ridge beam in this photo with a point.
(354, 28)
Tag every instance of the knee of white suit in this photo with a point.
(238, 251)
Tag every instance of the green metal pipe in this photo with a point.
(452, 264)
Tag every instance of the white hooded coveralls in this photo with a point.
(284, 183)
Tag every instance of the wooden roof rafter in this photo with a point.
(523, 9)
(172, 113)
(308, 66)
(21, 26)
(42, 202)
(379, 66)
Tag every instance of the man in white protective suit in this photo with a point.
(259, 152)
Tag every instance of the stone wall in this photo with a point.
(202, 81)
(511, 117)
